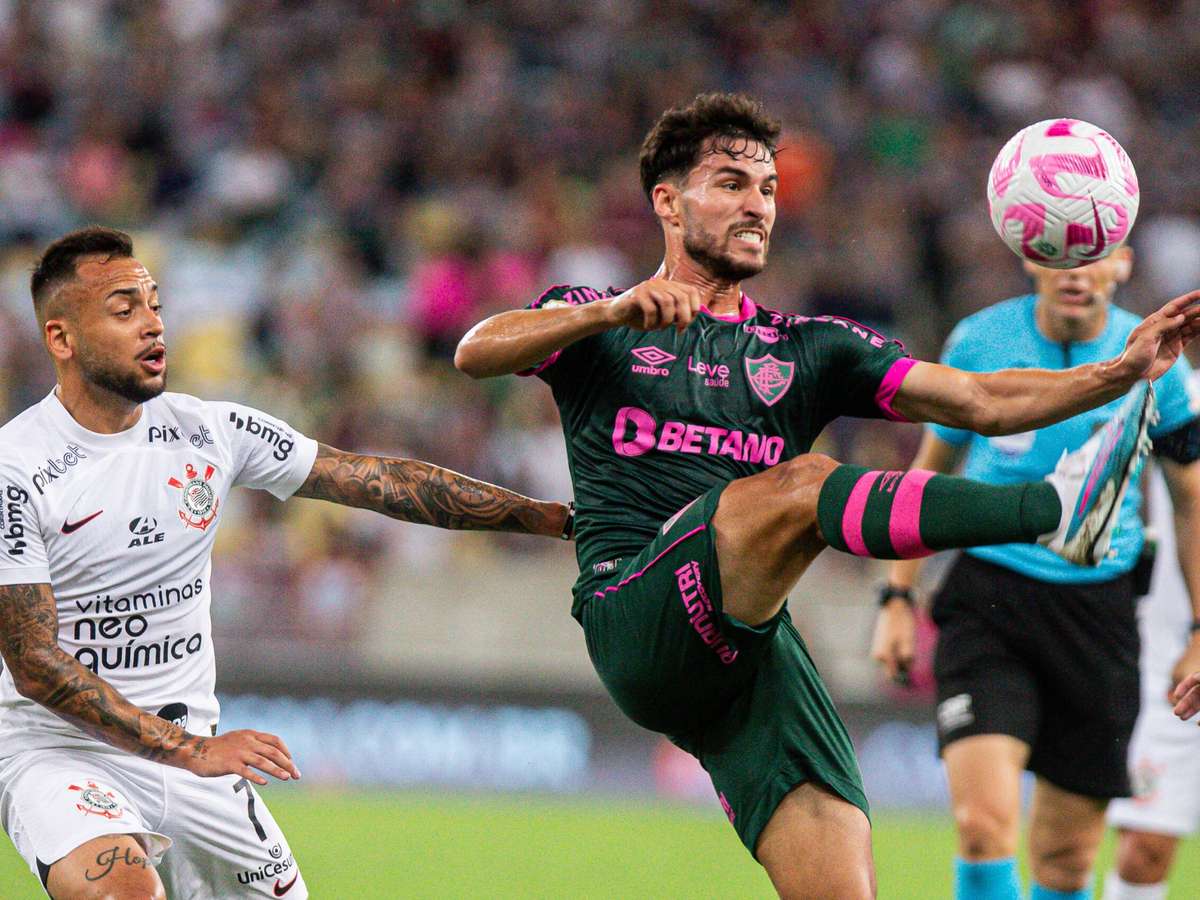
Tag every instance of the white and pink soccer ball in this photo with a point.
(1062, 193)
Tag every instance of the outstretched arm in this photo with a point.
(45, 674)
(1014, 400)
(415, 491)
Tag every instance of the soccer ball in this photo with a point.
(1062, 193)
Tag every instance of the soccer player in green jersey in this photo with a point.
(689, 412)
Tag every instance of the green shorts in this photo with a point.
(746, 701)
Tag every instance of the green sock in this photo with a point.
(904, 515)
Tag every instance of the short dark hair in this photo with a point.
(672, 147)
(57, 263)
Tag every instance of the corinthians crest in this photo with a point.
(95, 800)
(200, 501)
(770, 377)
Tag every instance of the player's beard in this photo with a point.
(705, 248)
(128, 385)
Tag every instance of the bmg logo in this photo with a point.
(273, 436)
(13, 519)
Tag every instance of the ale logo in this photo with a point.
(200, 501)
(770, 377)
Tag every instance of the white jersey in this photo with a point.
(1164, 754)
(122, 527)
(1165, 614)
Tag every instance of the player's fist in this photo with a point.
(895, 640)
(656, 303)
(239, 753)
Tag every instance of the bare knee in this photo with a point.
(1063, 866)
(985, 831)
(115, 867)
(1145, 858)
(799, 481)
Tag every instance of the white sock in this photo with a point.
(1115, 888)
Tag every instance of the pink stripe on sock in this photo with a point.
(852, 518)
(904, 526)
(892, 380)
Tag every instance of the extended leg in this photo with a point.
(771, 526)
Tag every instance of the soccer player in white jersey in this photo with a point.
(111, 492)
(1164, 755)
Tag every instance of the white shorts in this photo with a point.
(210, 838)
(1164, 765)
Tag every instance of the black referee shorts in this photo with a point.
(1053, 665)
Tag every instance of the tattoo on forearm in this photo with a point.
(419, 492)
(42, 671)
(107, 859)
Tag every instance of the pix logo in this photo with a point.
(57, 466)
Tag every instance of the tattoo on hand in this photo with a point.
(107, 859)
(29, 645)
(416, 491)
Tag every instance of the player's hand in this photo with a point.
(1189, 662)
(239, 753)
(656, 303)
(1155, 344)
(894, 643)
(1187, 696)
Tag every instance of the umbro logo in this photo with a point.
(653, 356)
(653, 361)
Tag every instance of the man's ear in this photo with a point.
(667, 201)
(59, 340)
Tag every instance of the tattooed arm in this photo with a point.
(45, 674)
(420, 492)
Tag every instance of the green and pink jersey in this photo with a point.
(654, 419)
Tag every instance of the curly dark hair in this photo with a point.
(672, 147)
(57, 263)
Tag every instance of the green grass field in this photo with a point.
(398, 845)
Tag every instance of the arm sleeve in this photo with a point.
(23, 557)
(558, 364)
(267, 454)
(861, 370)
(956, 352)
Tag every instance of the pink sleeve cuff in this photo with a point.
(890, 385)
(542, 366)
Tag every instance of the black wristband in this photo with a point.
(1195, 626)
(568, 531)
(889, 592)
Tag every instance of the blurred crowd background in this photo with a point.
(330, 193)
